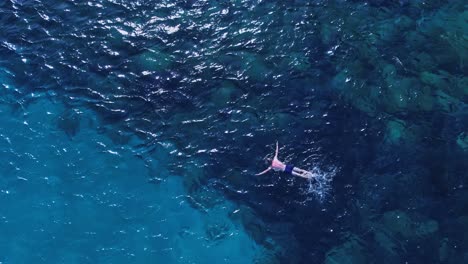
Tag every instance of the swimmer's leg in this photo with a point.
(302, 173)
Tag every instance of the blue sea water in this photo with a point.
(130, 131)
(86, 199)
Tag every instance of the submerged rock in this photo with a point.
(444, 81)
(395, 131)
(422, 61)
(350, 252)
(201, 196)
(225, 94)
(153, 60)
(342, 80)
(6, 79)
(426, 228)
(456, 28)
(296, 61)
(329, 34)
(397, 94)
(69, 122)
(446, 102)
(424, 100)
(400, 223)
(438, 81)
(388, 243)
(462, 86)
(443, 250)
(387, 31)
(462, 141)
(257, 69)
(248, 64)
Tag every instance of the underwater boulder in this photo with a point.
(406, 94)
(415, 39)
(6, 79)
(255, 66)
(423, 99)
(386, 32)
(118, 137)
(69, 122)
(257, 70)
(389, 3)
(363, 96)
(456, 28)
(462, 86)
(116, 37)
(461, 223)
(282, 119)
(395, 231)
(295, 61)
(225, 94)
(152, 59)
(201, 196)
(396, 131)
(280, 244)
(366, 104)
(350, 252)
(444, 250)
(426, 228)
(422, 61)
(400, 223)
(446, 102)
(387, 243)
(397, 93)
(342, 80)
(462, 141)
(389, 72)
(266, 257)
(217, 227)
(253, 224)
(446, 30)
(7, 86)
(404, 23)
(426, 5)
(438, 81)
(389, 30)
(329, 34)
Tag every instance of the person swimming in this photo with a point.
(277, 165)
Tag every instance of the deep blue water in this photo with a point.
(130, 131)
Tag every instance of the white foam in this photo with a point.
(319, 186)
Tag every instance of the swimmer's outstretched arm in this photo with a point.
(263, 172)
(276, 152)
(275, 159)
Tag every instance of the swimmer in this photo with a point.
(277, 165)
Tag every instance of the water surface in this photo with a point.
(130, 132)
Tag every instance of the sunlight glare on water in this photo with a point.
(130, 131)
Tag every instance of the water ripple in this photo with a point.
(216, 83)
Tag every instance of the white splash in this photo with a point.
(320, 184)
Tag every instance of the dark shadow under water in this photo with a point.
(224, 98)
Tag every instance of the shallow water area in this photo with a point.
(80, 198)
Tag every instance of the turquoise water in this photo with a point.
(130, 131)
(88, 199)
